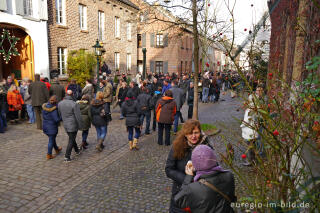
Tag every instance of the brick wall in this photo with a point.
(73, 38)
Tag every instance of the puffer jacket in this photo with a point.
(175, 170)
(202, 199)
(130, 111)
(14, 100)
(85, 114)
(95, 110)
(166, 109)
(51, 119)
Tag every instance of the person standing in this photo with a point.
(28, 103)
(72, 122)
(15, 102)
(145, 106)
(3, 106)
(165, 111)
(166, 86)
(23, 88)
(57, 90)
(122, 96)
(51, 120)
(84, 105)
(130, 110)
(133, 87)
(190, 100)
(179, 97)
(76, 90)
(205, 88)
(99, 119)
(39, 95)
(108, 94)
(156, 96)
(88, 90)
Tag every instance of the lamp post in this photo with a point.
(144, 51)
(98, 52)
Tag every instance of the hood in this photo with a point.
(48, 107)
(97, 103)
(83, 104)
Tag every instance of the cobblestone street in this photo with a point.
(115, 180)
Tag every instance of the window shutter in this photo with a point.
(152, 66)
(3, 5)
(19, 7)
(143, 40)
(43, 10)
(165, 66)
(152, 40)
(165, 40)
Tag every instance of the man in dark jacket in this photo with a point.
(134, 89)
(190, 100)
(57, 90)
(76, 90)
(179, 97)
(145, 106)
(39, 95)
(72, 122)
(156, 96)
(155, 85)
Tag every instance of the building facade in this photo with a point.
(77, 24)
(27, 20)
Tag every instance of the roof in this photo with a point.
(129, 3)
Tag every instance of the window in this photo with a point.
(62, 60)
(129, 31)
(139, 40)
(117, 27)
(83, 17)
(159, 66)
(27, 7)
(128, 62)
(159, 40)
(60, 12)
(117, 61)
(185, 66)
(101, 25)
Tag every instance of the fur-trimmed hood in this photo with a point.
(97, 103)
(48, 107)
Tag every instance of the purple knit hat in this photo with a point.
(204, 161)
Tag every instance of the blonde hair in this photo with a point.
(11, 88)
(99, 95)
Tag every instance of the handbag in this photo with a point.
(211, 186)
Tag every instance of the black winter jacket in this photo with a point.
(129, 110)
(190, 96)
(96, 108)
(202, 199)
(144, 103)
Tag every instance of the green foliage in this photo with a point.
(116, 80)
(81, 65)
(128, 79)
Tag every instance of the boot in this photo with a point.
(130, 145)
(49, 156)
(83, 145)
(100, 146)
(135, 143)
(58, 150)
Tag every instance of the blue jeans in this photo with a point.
(52, 143)
(130, 132)
(205, 93)
(32, 117)
(176, 121)
(3, 123)
(101, 132)
(148, 118)
(85, 134)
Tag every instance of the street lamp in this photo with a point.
(98, 52)
(144, 51)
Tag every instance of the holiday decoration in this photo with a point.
(245, 29)
(207, 64)
(12, 42)
(208, 5)
(243, 156)
(275, 133)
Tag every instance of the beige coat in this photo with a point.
(107, 93)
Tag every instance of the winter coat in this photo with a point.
(144, 103)
(178, 96)
(108, 93)
(39, 93)
(184, 85)
(202, 199)
(130, 111)
(88, 90)
(154, 87)
(205, 83)
(96, 108)
(27, 97)
(85, 114)
(70, 114)
(14, 100)
(135, 91)
(166, 109)
(175, 169)
(76, 91)
(190, 96)
(122, 95)
(50, 119)
(57, 90)
(165, 88)
(3, 99)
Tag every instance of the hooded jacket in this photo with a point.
(14, 100)
(50, 119)
(96, 108)
(166, 109)
(85, 114)
(130, 111)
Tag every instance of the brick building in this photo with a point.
(169, 47)
(77, 24)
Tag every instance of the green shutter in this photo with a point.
(165, 66)
(152, 40)
(152, 66)
(3, 5)
(143, 40)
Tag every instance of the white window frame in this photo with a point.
(129, 30)
(61, 12)
(116, 27)
(159, 66)
(159, 40)
(101, 25)
(27, 7)
(128, 62)
(62, 60)
(116, 61)
(83, 17)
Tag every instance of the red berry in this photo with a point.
(275, 133)
(243, 156)
(270, 75)
(245, 29)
